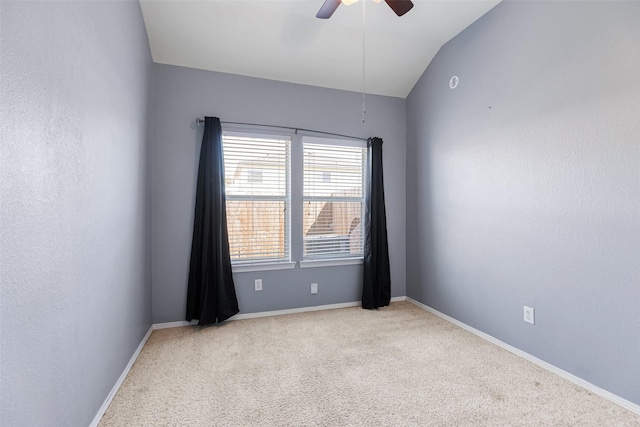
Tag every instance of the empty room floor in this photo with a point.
(399, 365)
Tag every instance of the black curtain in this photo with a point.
(376, 289)
(211, 294)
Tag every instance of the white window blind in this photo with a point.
(333, 200)
(257, 171)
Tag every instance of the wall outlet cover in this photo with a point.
(314, 288)
(258, 284)
(529, 315)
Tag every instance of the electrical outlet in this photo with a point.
(314, 288)
(529, 315)
(258, 284)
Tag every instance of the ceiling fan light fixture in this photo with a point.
(400, 7)
(349, 2)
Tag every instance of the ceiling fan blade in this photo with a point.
(327, 9)
(400, 7)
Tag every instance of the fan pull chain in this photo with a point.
(364, 81)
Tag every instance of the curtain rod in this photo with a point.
(200, 121)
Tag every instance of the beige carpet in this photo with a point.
(398, 366)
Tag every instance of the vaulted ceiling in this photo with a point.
(283, 40)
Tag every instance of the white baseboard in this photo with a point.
(294, 310)
(178, 324)
(243, 316)
(549, 367)
(116, 386)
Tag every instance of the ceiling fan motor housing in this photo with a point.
(400, 7)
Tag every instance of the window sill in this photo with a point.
(335, 262)
(244, 268)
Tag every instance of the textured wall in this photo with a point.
(181, 95)
(524, 184)
(75, 294)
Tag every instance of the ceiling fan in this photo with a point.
(400, 7)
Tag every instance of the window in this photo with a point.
(273, 181)
(333, 198)
(257, 170)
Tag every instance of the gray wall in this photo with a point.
(75, 270)
(524, 184)
(181, 95)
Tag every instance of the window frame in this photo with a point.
(336, 259)
(294, 225)
(267, 263)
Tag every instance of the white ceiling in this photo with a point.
(283, 40)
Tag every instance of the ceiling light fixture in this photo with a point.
(349, 2)
(400, 7)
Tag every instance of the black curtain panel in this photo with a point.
(376, 289)
(211, 294)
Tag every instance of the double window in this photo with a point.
(274, 181)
